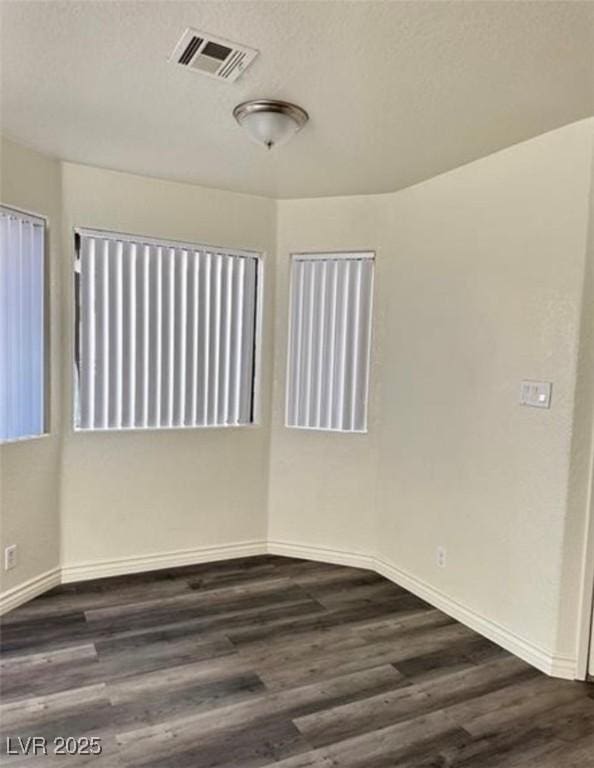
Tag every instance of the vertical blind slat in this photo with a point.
(105, 335)
(332, 346)
(308, 352)
(195, 336)
(328, 349)
(17, 362)
(216, 340)
(166, 336)
(300, 277)
(146, 337)
(183, 340)
(238, 349)
(24, 372)
(227, 418)
(321, 346)
(89, 337)
(338, 415)
(159, 341)
(13, 318)
(119, 351)
(132, 361)
(170, 339)
(38, 335)
(206, 344)
(220, 413)
(356, 346)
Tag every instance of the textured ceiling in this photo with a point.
(397, 91)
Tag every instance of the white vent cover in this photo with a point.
(212, 56)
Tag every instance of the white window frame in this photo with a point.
(259, 256)
(40, 219)
(321, 255)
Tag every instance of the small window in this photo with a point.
(329, 341)
(22, 334)
(165, 334)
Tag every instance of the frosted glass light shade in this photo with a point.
(269, 122)
(269, 128)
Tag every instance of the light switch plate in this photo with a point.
(536, 394)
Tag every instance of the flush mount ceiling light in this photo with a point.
(270, 122)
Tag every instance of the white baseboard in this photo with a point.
(29, 589)
(123, 565)
(550, 664)
(320, 554)
(519, 646)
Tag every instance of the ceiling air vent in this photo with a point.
(212, 56)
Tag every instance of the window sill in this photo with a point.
(24, 439)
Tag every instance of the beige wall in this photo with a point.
(29, 470)
(89, 499)
(578, 545)
(479, 277)
(487, 287)
(143, 493)
(322, 484)
(479, 284)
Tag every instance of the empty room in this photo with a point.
(297, 383)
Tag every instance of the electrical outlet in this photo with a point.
(441, 557)
(10, 557)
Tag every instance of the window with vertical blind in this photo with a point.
(329, 341)
(22, 335)
(166, 334)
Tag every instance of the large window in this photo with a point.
(165, 334)
(329, 341)
(22, 390)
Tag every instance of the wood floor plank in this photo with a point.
(18, 635)
(340, 637)
(195, 603)
(206, 672)
(325, 619)
(288, 704)
(240, 619)
(465, 654)
(36, 709)
(336, 578)
(269, 661)
(273, 739)
(554, 694)
(63, 603)
(187, 698)
(49, 673)
(525, 745)
(337, 723)
(578, 754)
(352, 659)
(309, 759)
(237, 576)
(392, 743)
(23, 661)
(125, 660)
(358, 594)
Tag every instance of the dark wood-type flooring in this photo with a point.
(273, 661)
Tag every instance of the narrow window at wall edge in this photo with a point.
(166, 333)
(329, 341)
(23, 390)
